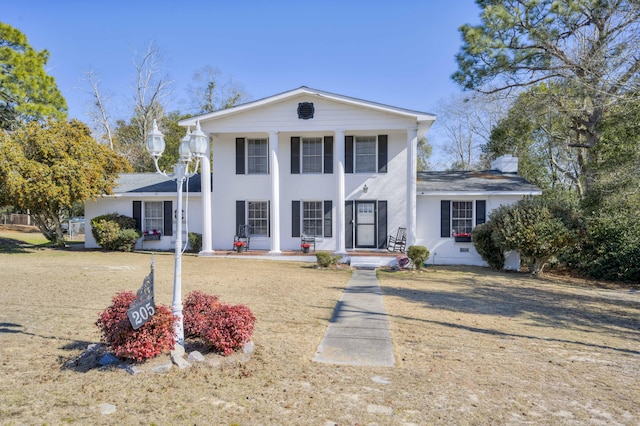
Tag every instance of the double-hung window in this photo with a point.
(258, 217)
(312, 155)
(153, 216)
(365, 154)
(312, 218)
(462, 216)
(257, 156)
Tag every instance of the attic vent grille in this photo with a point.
(305, 110)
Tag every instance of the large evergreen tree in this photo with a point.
(27, 92)
(591, 47)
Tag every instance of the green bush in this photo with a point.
(326, 260)
(418, 255)
(610, 248)
(115, 232)
(485, 243)
(538, 228)
(195, 241)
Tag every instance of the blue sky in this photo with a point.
(396, 52)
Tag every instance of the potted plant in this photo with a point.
(462, 237)
(305, 247)
(240, 246)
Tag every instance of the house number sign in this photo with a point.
(143, 306)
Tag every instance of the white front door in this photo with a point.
(365, 224)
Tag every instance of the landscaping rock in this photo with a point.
(162, 368)
(178, 350)
(133, 369)
(195, 356)
(248, 348)
(177, 355)
(180, 362)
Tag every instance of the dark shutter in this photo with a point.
(269, 218)
(348, 224)
(481, 212)
(382, 224)
(382, 153)
(240, 156)
(137, 214)
(348, 154)
(328, 154)
(295, 218)
(445, 218)
(328, 218)
(168, 218)
(240, 215)
(295, 155)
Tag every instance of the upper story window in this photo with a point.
(257, 157)
(312, 155)
(252, 156)
(366, 154)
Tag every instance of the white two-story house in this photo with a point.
(340, 169)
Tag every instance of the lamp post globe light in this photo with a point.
(192, 145)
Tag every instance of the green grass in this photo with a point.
(17, 242)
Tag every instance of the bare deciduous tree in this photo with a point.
(152, 86)
(211, 94)
(99, 111)
(465, 123)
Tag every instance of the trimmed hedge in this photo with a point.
(115, 232)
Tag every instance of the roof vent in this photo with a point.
(305, 110)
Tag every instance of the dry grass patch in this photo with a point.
(472, 347)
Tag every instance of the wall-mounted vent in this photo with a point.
(305, 110)
(464, 249)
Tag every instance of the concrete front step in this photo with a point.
(372, 262)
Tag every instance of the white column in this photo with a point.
(205, 188)
(340, 197)
(412, 167)
(274, 169)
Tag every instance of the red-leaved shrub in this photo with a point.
(198, 308)
(230, 327)
(153, 338)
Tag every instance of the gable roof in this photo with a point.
(421, 117)
(136, 183)
(486, 182)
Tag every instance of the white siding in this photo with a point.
(445, 251)
(124, 206)
(229, 187)
(329, 115)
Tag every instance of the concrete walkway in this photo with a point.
(358, 333)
